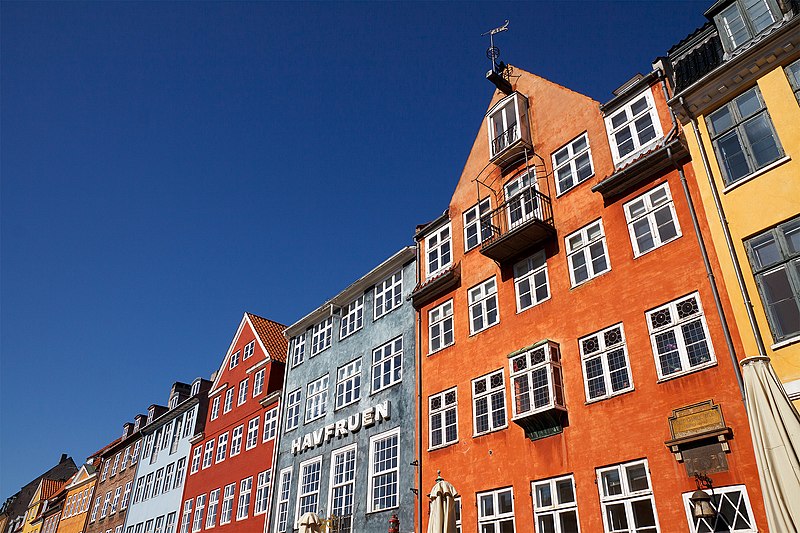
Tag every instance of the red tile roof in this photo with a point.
(271, 335)
(50, 487)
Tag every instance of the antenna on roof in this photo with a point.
(499, 72)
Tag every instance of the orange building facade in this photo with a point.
(575, 369)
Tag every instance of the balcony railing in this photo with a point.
(518, 225)
(505, 139)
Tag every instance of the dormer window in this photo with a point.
(195, 388)
(633, 128)
(507, 122)
(150, 414)
(173, 402)
(744, 19)
(438, 250)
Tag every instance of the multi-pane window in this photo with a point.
(235, 359)
(199, 509)
(117, 493)
(321, 336)
(348, 383)
(679, 335)
(127, 494)
(187, 430)
(308, 491)
(438, 250)
(226, 512)
(440, 327)
(115, 465)
(733, 511)
(477, 224)
(157, 483)
(97, 502)
(270, 424)
(283, 499)
(522, 203)
(343, 476)
(457, 504)
(531, 283)
(258, 382)
(298, 349)
(496, 511)
(169, 527)
(793, 74)
(443, 418)
(180, 470)
(572, 164)
(383, 471)
(633, 127)
(537, 380)
(587, 253)
(489, 403)
(317, 398)
(213, 506)
(388, 294)
(626, 496)
(208, 454)
(125, 457)
(236, 440)
(168, 477)
(148, 484)
(245, 489)
(249, 348)
(652, 221)
(262, 491)
(176, 435)
(242, 391)
(228, 401)
(555, 509)
(252, 433)
(187, 515)
(744, 19)
(352, 317)
(222, 447)
(387, 364)
(196, 455)
(293, 409)
(775, 260)
(105, 470)
(483, 311)
(503, 123)
(743, 136)
(137, 494)
(606, 368)
(135, 453)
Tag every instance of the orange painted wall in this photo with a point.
(76, 522)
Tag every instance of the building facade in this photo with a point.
(230, 467)
(347, 443)
(572, 351)
(77, 499)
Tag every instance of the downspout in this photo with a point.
(278, 437)
(418, 345)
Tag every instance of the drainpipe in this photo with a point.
(278, 438)
(418, 344)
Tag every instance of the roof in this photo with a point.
(102, 450)
(271, 335)
(19, 504)
(50, 487)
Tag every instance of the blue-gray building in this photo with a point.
(348, 416)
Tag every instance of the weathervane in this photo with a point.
(493, 52)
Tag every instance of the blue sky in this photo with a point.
(165, 167)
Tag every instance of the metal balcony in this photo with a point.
(519, 226)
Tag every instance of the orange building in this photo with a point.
(77, 497)
(576, 369)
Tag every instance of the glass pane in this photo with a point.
(487, 505)
(543, 495)
(564, 490)
(781, 301)
(665, 224)
(504, 503)
(619, 119)
(612, 484)
(583, 166)
(644, 238)
(792, 233)
(624, 141)
(762, 142)
(645, 129)
(733, 157)
(759, 14)
(546, 524)
(765, 250)
(748, 103)
(616, 517)
(643, 515)
(637, 477)
(638, 106)
(569, 521)
(579, 145)
(507, 526)
(734, 26)
(561, 156)
(720, 120)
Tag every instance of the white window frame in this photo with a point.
(570, 153)
(488, 396)
(439, 416)
(197, 453)
(249, 349)
(388, 295)
(317, 398)
(222, 448)
(226, 510)
(234, 360)
(482, 299)
(199, 510)
(284, 493)
(170, 523)
(168, 471)
(180, 470)
(126, 495)
(208, 454)
(293, 403)
(348, 383)
(115, 499)
(298, 349)
(159, 479)
(352, 318)
(125, 457)
(115, 465)
(626, 497)
(500, 112)
(252, 433)
(438, 250)
(441, 332)
(243, 385)
(713, 523)
(375, 474)
(213, 507)
(602, 345)
(321, 334)
(236, 440)
(528, 275)
(648, 206)
(387, 365)
(186, 518)
(262, 492)
(308, 488)
(258, 382)
(343, 481)
(477, 224)
(526, 369)
(496, 518)
(580, 244)
(270, 424)
(228, 401)
(243, 504)
(630, 125)
(557, 509)
(521, 199)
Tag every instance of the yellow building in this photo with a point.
(737, 88)
(77, 500)
(38, 504)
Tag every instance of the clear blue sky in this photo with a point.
(167, 166)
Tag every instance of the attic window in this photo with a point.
(744, 19)
(173, 402)
(195, 387)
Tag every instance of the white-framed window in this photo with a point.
(106, 464)
(587, 253)
(457, 503)
(126, 495)
(352, 317)
(606, 367)
(189, 427)
(180, 470)
(167, 435)
(536, 380)
(213, 506)
(137, 494)
(135, 453)
(176, 435)
(743, 20)
(321, 336)
(477, 224)
(169, 527)
(115, 465)
(148, 484)
(258, 382)
(298, 349)
(262, 492)
(440, 327)
(387, 364)
(249, 348)
(199, 509)
(531, 281)
(293, 409)
(125, 457)
(222, 447)
(308, 488)
(388, 294)
(438, 250)
(168, 477)
(252, 433)
(245, 489)
(236, 440)
(284, 488)
(348, 383)
(317, 398)
(234, 359)
(733, 511)
(242, 391)
(679, 336)
(97, 502)
(503, 123)
(226, 512)
(652, 221)
(196, 454)
(483, 310)
(148, 526)
(522, 202)
(572, 164)
(228, 401)
(159, 523)
(156, 487)
(626, 496)
(342, 486)
(208, 454)
(489, 403)
(443, 418)
(270, 424)
(633, 127)
(384, 458)
(187, 515)
(555, 508)
(496, 511)
(117, 494)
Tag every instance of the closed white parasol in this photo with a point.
(443, 507)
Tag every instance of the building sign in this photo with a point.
(352, 424)
(696, 419)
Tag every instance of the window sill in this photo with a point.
(756, 174)
(442, 447)
(786, 342)
(520, 311)
(641, 254)
(484, 329)
(688, 372)
(609, 397)
(560, 194)
(443, 348)
(584, 282)
(483, 434)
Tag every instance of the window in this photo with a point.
(308, 491)
(679, 335)
(317, 398)
(249, 348)
(170, 525)
(293, 409)
(606, 368)
(503, 123)
(258, 382)
(457, 502)
(125, 457)
(157, 439)
(189, 428)
(652, 221)
(156, 484)
(587, 253)
(168, 477)
(236, 440)
(213, 504)
(148, 526)
(438, 250)
(348, 383)
(440, 327)
(252, 433)
(383, 471)
(222, 447)
(137, 495)
(536, 380)
(496, 511)
(483, 312)
(199, 509)
(387, 364)
(167, 435)
(242, 392)
(489, 403)
(522, 204)
(298, 349)
(135, 454)
(283, 499)
(352, 318)
(158, 529)
(187, 515)
(743, 136)
(196, 459)
(115, 465)
(477, 224)
(262, 490)
(633, 128)
(775, 260)
(245, 488)
(97, 502)
(148, 484)
(342, 486)
(227, 504)
(208, 454)
(180, 470)
(531, 283)
(793, 73)
(270, 424)
(126, 495)
(626, 496)
(228, 401)
(321, 336)
(572, 164)
(741, 21)
(176, 435)
(733, 511)
(443, 418)
(234, 360)
(388, 294)
(106, 464)
(555, 509)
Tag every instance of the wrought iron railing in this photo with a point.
(505, 139)
(518, 211)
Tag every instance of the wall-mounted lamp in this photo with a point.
(701, 500)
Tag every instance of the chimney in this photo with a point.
(63, 458)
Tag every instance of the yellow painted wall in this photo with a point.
(33, 511)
